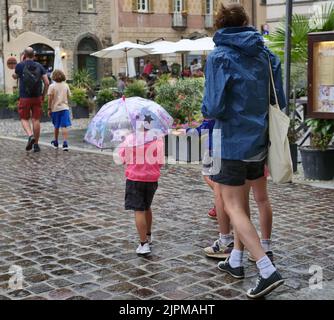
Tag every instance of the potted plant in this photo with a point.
(137, 88)
(318, 159)
(5, 111)
(104, 96)
(108, 83)
(183, 100)
(45, 117)
(13, 100)
(80, 103)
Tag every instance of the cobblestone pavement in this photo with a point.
(62, 221)
(13, 128)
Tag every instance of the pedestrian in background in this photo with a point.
(33, 86)
(58, 108)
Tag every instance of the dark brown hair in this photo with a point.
(233, 15)
(58, 76)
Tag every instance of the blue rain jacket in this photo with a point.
(237, 92)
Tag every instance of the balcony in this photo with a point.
(179, 20)
(208, 21)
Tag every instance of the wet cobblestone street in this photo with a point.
(62, 221)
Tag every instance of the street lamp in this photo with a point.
(287, 53)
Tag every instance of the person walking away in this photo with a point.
(261, 197)
(223, 246)
(240, 63)
(33, 86)
(143, 164)
(58, 108)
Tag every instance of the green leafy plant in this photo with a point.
(322, 133)
(45, 105)
(13, 100)
(104, 96)
(4, 100)
(108, 82)
(182, 99)
(79, 97)
(83, 79)
(137, 88)
(321, 20)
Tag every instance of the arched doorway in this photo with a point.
(45, 55)
(86, 46)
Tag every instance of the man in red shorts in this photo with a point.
(33, 86)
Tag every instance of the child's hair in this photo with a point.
(58, 76)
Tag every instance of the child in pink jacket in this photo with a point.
(143, 164)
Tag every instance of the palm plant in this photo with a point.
(322, 20)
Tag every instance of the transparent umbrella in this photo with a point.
(118, 119)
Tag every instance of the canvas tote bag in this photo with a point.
(279, 156)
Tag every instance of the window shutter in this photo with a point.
(134, 5)
(171, 6)
(185, 6)
(203, 7)
(151, 6)
(216, 6)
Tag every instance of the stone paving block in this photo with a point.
(40, 288)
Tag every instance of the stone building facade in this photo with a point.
(70, 28)
(73, 29)
(144, 21)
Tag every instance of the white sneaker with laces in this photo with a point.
(145, 249)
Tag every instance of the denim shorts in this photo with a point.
(61, 119)
(235, 173)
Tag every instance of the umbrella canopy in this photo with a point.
(124, 49)
(58, 63)
(120, 118)
(161, 47)
(185, 45)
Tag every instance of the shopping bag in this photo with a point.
(279, 156)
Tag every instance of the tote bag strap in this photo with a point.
(273, 83)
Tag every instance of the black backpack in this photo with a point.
(32, 79)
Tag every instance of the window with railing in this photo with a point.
(88, 6)
(38, 5)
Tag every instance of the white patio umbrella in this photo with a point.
(125, 50)
(161, 47)
(58, 63)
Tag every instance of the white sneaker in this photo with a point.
(145, 249)
(150, 240)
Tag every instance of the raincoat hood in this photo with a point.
(245, 39)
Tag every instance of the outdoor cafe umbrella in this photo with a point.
(120, 118)
(125, 50)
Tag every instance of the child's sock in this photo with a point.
(236, 257)
(266, 245)
(142, 243)
(266, 267)
(225, 239)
